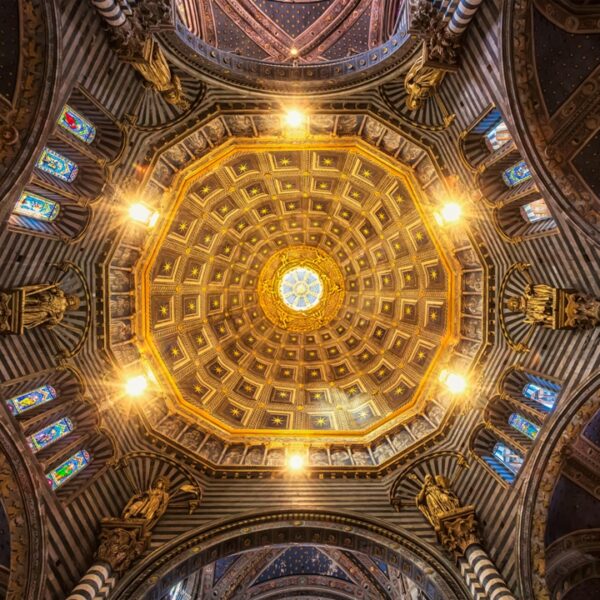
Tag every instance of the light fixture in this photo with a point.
(294, 118)
(141, 213)
(450, 212)
(293, 51)
(296, 462)
(454, 382)
(136, 385)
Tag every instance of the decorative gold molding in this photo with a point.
(270, 280)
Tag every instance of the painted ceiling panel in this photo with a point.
(302, 560)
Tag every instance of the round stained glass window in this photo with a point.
(301, 288)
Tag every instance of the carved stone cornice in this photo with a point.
(122, 542)
(458, 530)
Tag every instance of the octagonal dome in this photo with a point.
(356, 380)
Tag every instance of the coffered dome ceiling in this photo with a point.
(298, 289)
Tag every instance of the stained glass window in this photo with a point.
(301, 288)
(516, 174)
(73, 465)
(77, 124)
(36, 207)
(496, 137)
(543, 396)
(58, 165)
(48, 435)
(24, 402)
(523, 425)
(535, 211)
(508, 457)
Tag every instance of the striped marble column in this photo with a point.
(96, 584)
(463, 15)
(487, 574)
(110, 11)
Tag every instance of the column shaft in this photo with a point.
(463, 15)
(488, 575)
(96, 584)
(110, 11)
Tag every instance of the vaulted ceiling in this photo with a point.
(248, 198)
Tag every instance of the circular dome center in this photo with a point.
(300, 288)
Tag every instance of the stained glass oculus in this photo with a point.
(301, 288)
(20, 404)
(516, 174)
(545, 397)
(497, 136)
(508, 457)
(535, 211)
(36, 207)
(526, 427)
(57, 165)
(77, 124)
(73, 465)
(50, 434)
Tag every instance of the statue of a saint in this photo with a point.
(45, 305)
(436, 499)
(135, 45)
(536, 303)
(149, 505)
(421, 80)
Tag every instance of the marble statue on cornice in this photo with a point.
(536, 303)
(149, 505)
(556, 308)
(33, 306)
(422, 80)
(436, 499)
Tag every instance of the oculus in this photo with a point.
(301, 288)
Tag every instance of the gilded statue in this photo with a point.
(436, 499)
(35, 305)
(536, 303)
(135, 45)
(150, 505)
(422, 80)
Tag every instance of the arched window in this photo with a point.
(535, 211)
(516, 174)
(57, 165)
(20, 404)
(77, 124)
(36, 207)
(73, 465)
(497, 136)
(523, 425)
(50, 434)
(508, 457)
(545, 397)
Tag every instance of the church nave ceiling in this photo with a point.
(289, 47)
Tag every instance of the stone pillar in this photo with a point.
(110, 11)
(122, 542)
(462, 16)
(487, 574)
(457, 531)
(98, 582)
